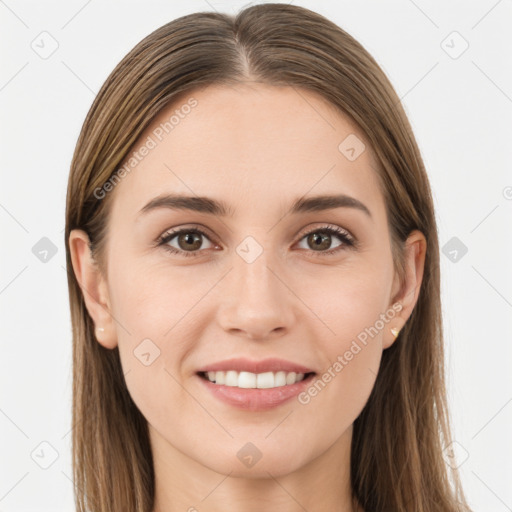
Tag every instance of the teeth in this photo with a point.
(254, 380)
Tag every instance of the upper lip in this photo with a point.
(240, 364)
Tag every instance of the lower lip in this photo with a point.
(254, 399)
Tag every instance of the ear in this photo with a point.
(406, 293)
(93, 286)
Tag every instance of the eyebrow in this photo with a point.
(211, 206)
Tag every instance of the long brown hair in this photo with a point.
(398, 440)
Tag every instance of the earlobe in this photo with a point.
(393, 330)
(93, 286)
(414, 259)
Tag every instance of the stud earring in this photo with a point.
(395, 331)
(100, 329)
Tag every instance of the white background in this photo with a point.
(461, 113)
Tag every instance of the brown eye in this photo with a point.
(189, 241)
(320, 240)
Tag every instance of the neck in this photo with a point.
(184, 484)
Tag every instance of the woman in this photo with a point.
(255, 293)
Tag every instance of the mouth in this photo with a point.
(254, 392)
(255, 385)
(249, 380)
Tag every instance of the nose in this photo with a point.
(256, 301)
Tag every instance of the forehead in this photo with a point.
(249, 144)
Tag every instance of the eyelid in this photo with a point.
(328, 227)
(304, 232)
(348, 241)
(170, 233)
(334, 230)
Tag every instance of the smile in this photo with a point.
(248, 380)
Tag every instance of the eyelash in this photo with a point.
(347, 240)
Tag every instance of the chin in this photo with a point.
(248, 461)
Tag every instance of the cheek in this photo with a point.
(152, 300)
(353, 309)
(337, 396)
(351, 363)
(156, 323)
(348, 303)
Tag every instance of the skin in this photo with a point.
(292, 302)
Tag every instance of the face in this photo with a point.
(310, 288)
